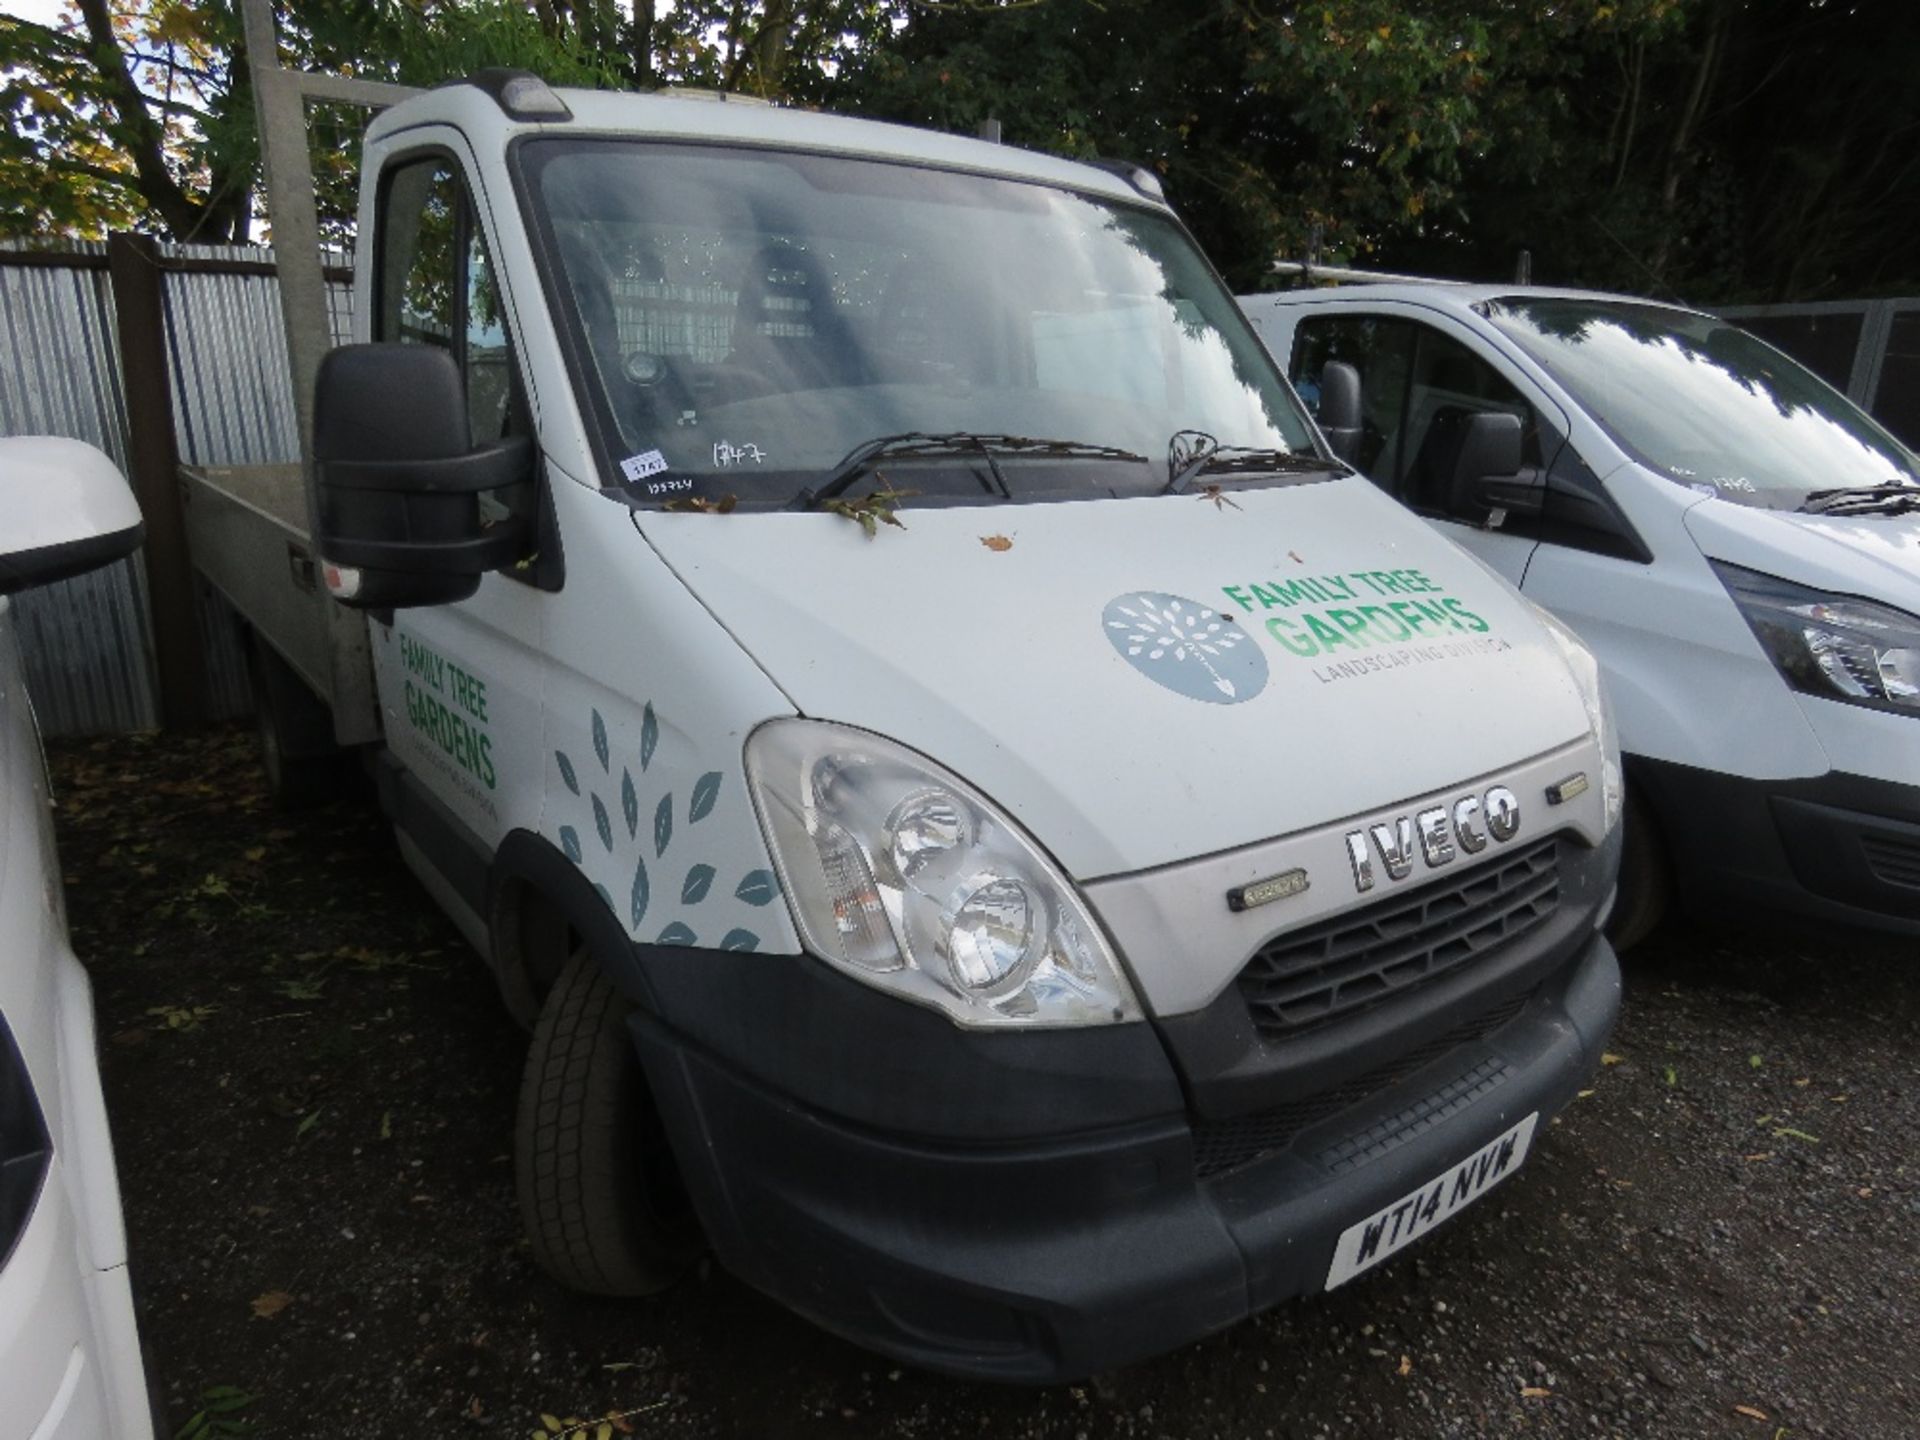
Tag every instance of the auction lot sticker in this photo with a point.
(1365, 1245)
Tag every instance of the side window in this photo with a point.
(438, 286)
(1448, 383)
(1382, 351)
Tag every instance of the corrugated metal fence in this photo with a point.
(88, 641)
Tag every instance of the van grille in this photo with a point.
(1309, 978)
(1894, 860)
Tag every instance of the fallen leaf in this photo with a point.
(266, 1306)
(1751, 1412)
(258, 852)
(996, 543)
(1406, 1366)
(1609, 1058)
(1535, 1392)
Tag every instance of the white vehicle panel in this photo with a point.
(935, 639)
(647, 706)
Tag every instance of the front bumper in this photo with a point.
(1837, 847)
(1032, 1207)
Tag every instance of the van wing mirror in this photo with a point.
(400, 482)
(1488, 466)
(68, 511)
(1339, 413)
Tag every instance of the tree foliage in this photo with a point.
(1718, 149)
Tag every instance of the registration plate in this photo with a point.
(1365, 1245)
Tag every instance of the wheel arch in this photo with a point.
(539, 906)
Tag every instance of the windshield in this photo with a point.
(744, 319)
(1704, 401)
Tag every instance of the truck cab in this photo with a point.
(994, 827)
(1734, 538)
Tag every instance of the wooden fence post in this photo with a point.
(139, 302)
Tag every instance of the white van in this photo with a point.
(995, 829)
(69, 1353)
(1736, 540)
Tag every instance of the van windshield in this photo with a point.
(1705, 402)
(743, 320)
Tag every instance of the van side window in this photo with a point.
(437, 286)
(1448, 383)
(1382, 351)
(1415, 386)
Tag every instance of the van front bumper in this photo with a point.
(1834, 848)
(1032, 1207)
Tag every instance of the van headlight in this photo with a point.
(1833, 646)
(908, 879)
(1593, 694)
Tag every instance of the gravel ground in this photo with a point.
(312, 1087)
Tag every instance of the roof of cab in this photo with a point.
(1449, 294)
(706, 116)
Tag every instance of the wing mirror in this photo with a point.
(400, 481)
(1339, 413)
(68, 511)
(1487, 468)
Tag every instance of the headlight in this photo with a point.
(1832, 646)
(1593, 694)
(910, 880)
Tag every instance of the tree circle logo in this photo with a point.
(1189, 648)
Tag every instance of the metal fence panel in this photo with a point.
(233, 404)
(86, 642)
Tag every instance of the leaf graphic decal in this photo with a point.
(566, 772)
(649, 735)
(603, 823)
(740, 940)
(642, 892)
(570, 842)
(605, 898)
(757, 887)
(600, 740)
(676, 934)
(663, 823)
(629, 802)
(706, 790)
(699, 881)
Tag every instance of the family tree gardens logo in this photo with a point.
(1190, 648)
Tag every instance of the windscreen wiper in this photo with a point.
(1186, 465)
(921, 443)
(1896, 497)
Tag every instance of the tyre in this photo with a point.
(600, 1194)
(304, 765)
(1645, 882)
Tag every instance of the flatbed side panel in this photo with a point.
(247, 533)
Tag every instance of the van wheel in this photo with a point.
(297, 750)
(1645, 883)
(600, 1194)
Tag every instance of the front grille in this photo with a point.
(1313, 977)
(1894, 860)
(1220, 1146)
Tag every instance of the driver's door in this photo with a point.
(1418, 374)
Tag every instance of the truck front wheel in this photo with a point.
(600, 1194)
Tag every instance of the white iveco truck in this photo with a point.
(995, 829)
